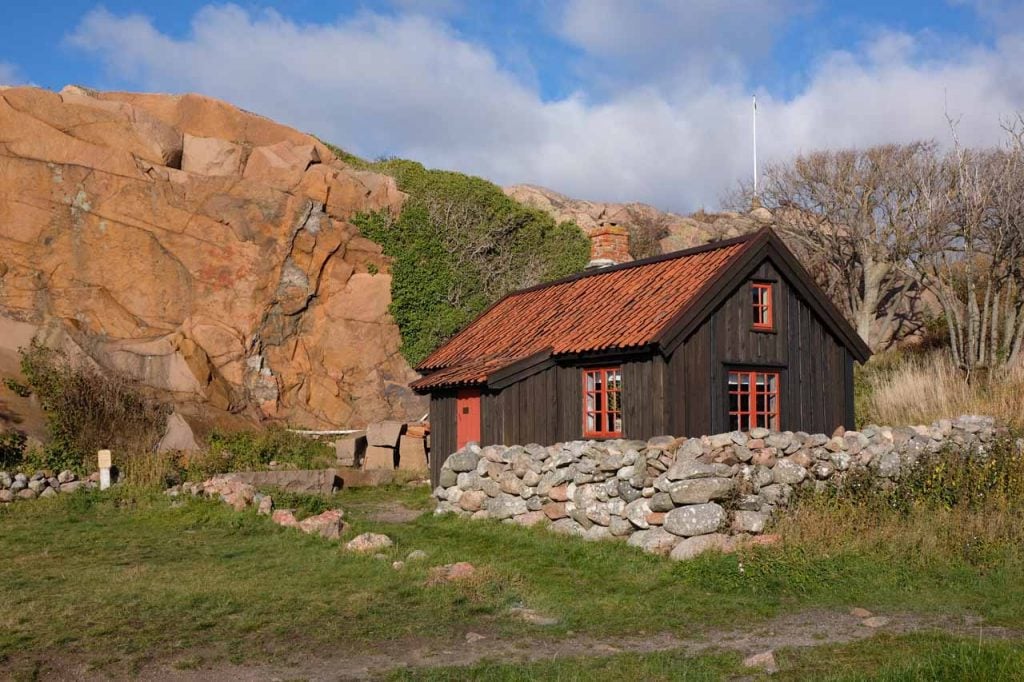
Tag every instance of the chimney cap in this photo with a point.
(609, 245)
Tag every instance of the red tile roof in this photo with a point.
(616, 308)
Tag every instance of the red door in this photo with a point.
(467, 416)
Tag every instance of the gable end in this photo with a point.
(766, 246)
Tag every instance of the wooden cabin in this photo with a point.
(731, 335)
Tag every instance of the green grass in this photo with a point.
(921, 657)
(119, 579)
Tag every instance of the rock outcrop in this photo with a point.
(664, 230)
(206, 251)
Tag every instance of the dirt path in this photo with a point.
(804, 629)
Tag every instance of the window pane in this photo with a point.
(744, 401)
(614, 380)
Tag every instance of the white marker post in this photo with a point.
(103, 457)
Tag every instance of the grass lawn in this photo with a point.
(119, 580)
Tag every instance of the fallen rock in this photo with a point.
(327, 525)
(265, 506)
(284, 517)
(451, 572)
(178, 436)
(416, 555)
(532, 617)
(368, 542)
(858, 612)
(764, 660)
(875, 621)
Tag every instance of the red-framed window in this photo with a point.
(764, 313)
(754, 400)
(602, 402)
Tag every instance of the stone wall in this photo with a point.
(680, 496)
(25, 486)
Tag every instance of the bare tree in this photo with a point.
(968, 247)
(848, 215)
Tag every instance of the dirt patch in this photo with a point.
(392, 513)
(803, 629)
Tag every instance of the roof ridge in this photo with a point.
(660, 258)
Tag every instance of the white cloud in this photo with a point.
(410, 86)
(679, 42)
(9, 74)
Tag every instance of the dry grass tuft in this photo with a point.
(900, 390)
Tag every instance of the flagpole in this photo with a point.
(755, 144)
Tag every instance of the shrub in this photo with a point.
(53, 456)
(17, 388)
(254, 450)
(459, 245)
(87, 410)
(12, 448)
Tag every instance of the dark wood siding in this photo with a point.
(816, 370)
(442, 430)
(643, 397)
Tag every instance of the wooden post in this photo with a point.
(103, 459)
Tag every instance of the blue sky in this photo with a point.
(604, 99)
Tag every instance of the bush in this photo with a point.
(17, 388)
(12, 448)
(88, 410)
(255, 450)
(459, 245)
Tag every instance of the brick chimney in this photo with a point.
(609, 245)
